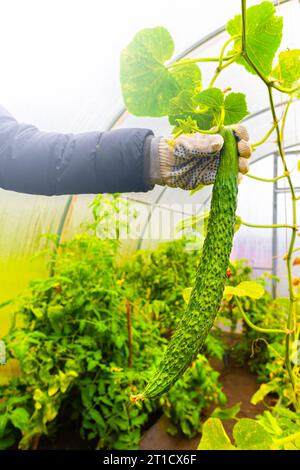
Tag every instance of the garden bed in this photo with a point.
(239, 385)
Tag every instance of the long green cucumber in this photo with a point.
(207, 292)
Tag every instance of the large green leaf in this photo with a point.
(3, 423)
(182, 104)
(214, 436)
(188, 77)
(227, 413)
(235, 106)
(56, 315)
(20, 418)
(213, 98)
(147, 85)
(264, 33)
(250, 435)
(211, 102)
(207, 108)
(263, 391)
(203, 108)
(188, 121)
(287, 71)
(245, 289)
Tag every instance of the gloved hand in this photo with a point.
(193, 159)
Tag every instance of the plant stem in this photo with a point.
(284, 118)
(262, 141)
(219, 69)
(249, 322)
(285, 90)
(129, 330)
(267, 226)
(221, 58)
(294, 227)
(291, 246)
(211, 131)
(181, 62)
(266, 180)
(244, 25)
(284, 440)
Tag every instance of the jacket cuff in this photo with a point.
(155, 156)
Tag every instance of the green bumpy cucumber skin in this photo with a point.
(209, 285)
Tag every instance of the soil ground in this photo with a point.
(239, 385)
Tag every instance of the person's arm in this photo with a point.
(48, 163)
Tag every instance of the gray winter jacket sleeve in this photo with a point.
(48, 163)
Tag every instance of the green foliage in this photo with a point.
(287, 71)
(73, 345)
(245, 289)
(143, 73)
(77, 346)
(159, 278)
(214, 436)
(235, 107)
(263, 32)
(228, 413)
(173, 91)
(190, 396)
(273, 430)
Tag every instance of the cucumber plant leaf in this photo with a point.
(207, 108)
(147, 85)
(185, 108)
(188, 77)
(20, 418)
(235, 106)
(250, 435)
(245, 289)
(263, 391)
(191, 121)
(186, 125)
(227, 413)
(214, 436)
(287, 71)
(264, 33)
(182, 104)
(213, 98)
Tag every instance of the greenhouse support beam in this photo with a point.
(287, 190)
(274, 221)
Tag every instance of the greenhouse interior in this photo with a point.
(150, 270)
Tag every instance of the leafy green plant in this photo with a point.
(174, 89)
(273, 430)
(87, 343)
(159, 278)
(74, 348)
(190, 396)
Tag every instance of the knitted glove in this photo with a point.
(193, 159)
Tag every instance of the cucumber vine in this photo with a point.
(153, 87)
